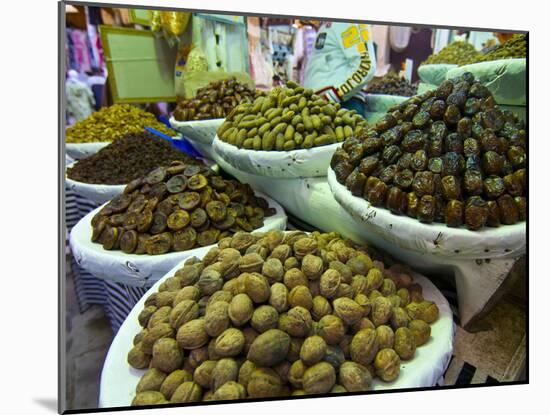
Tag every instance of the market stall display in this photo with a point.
(301, 325)
(391, 84)
(211, 297)
(480, 269)
(449, 156)
(291, 132)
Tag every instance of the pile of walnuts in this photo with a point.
(277, 314)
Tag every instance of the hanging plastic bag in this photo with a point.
(174, 23)
(156, 24)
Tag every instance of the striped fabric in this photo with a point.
(116, 299)
(120, 301)
(461, 373)
(89, 289)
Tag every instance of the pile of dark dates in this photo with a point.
(450, 155)
(177, 208)
(215, 100)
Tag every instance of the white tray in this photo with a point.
(431, 239)
(119, 380)
(141, 270)
(302, 163)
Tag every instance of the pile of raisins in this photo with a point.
(450, 155)
(126, 159)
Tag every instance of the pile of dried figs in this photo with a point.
(177, 208)
(450, 155)
(277, 314)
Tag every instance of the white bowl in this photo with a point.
(431, 239)
(141, 270)
(119, 379)
(312, 162)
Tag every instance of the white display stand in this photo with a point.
(101, 193)
(311, 162)
(479, 277)
(119, 380)
(79, 151)
(199, 133)
(140, 270)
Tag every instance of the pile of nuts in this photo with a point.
(110, 123)
(277, 314)
(458, 53)
(464, 53)
(449, 155)
(392, 84)
(515, 47)
(287, 119)
(215, 100)
(126, 159)
(177, 208)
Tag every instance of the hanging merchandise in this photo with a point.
(310, 33)
(196, 60)
(174, 23)
(298, 56)
(219, 51)
(281, 39)
(80, 59)
(171, 24)
(224, 44)
(189, 59)
(261, 69)
(155, 21)
(399, 37)
(381, 39)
